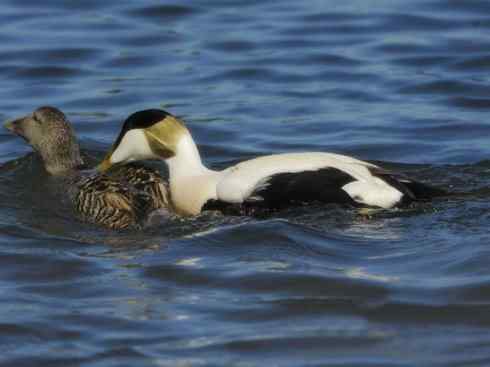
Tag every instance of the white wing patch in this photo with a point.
(261, 185)
(375, 192)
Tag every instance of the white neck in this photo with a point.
(187, 160)
(191, 183)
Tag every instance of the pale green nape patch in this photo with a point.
(164, 136)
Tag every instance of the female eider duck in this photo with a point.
(266, 183)
(119, 201)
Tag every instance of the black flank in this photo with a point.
(286, 189)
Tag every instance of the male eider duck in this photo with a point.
(270, 182)
(119, 201)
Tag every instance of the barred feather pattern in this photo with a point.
(121, 199)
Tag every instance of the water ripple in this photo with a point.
(164, 13)
(404, 84)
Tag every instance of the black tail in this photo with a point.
(424, 192)
(413, 190)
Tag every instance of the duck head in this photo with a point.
(147, 134)
(49, 132)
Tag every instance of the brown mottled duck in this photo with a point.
(125, 198)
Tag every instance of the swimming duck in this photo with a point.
(117, 201)
(265, 183)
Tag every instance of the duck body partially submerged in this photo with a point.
(121, 199)
(265, 183)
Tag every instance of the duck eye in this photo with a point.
(36, 119)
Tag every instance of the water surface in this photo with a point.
(402, 83)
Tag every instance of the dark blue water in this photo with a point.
(406, 83)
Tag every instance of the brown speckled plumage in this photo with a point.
(122, 200)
